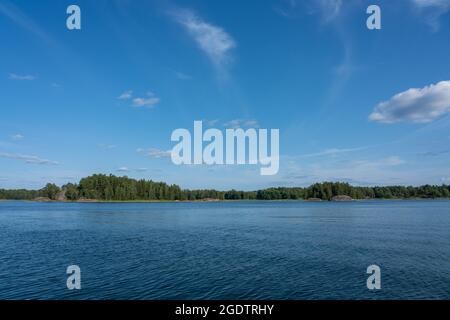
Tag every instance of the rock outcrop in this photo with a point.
(341, 198)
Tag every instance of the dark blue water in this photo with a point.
(239, 250)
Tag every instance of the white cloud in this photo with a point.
(149, 101)
(213, 40)
(17, 137)
(126, 95)
(13, 76)
(417, 105)
(145, 102)
(123, 169)
(27, 158)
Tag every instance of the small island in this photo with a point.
(110, 188)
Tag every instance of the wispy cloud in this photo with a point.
(126, 95)
(386, 162)
(213, 40)
(434, 153)
(13, 76)
(330, 9)
(332, 152)
(445, 180)
(417, 105)
(241, 123)
(154, 153)
(150, 101)
(27, 158)
(182, 76)
(327, 10)
(145, 102)
(357, 171)
(22, 20)
(106, 146)
(432, 10)
(127, 169)
(210, 123)
(17, 137)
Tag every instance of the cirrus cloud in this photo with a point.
(27, 158)
(213, 40)
(154, 153)
(432, 10)
(27, 77)
(418, 105)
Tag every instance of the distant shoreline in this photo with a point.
(109, 188)
(229, 201)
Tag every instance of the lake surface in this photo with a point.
(225, 250)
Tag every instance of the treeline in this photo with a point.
(110, 187)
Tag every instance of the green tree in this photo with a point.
(50, 191)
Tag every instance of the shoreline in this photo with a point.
(219, 200)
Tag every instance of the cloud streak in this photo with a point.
(22, 20)
(154, 153)
(241, 123)
(332, 152)
(27, 158)
(13, 76)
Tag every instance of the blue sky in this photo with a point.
(364, 106)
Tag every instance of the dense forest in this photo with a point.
(113, 188)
